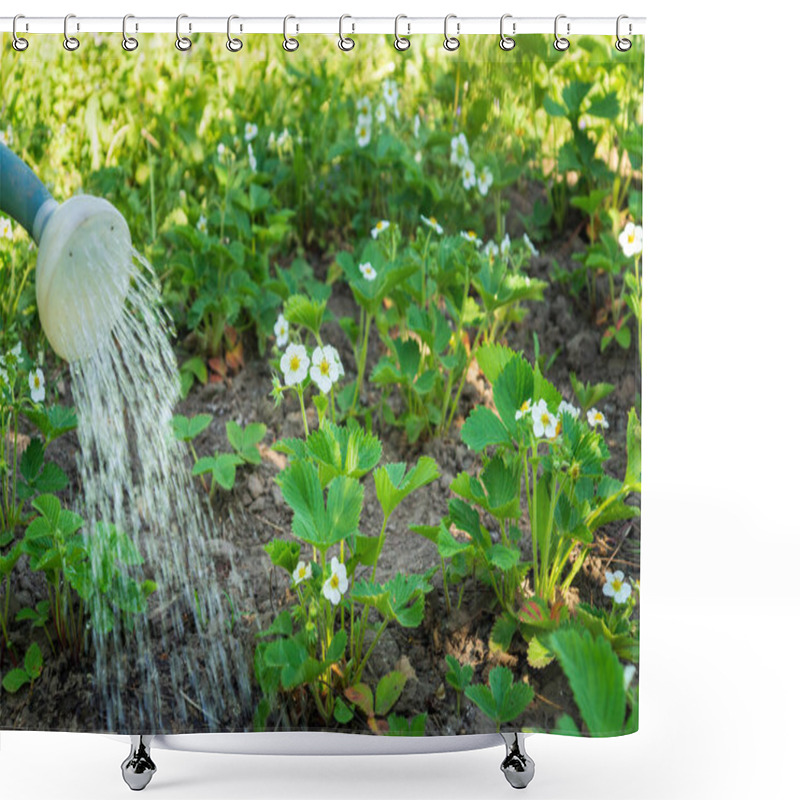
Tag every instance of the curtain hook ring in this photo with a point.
(401, 43)
(17, 42)
(506, 42)
(183, 43)
(561, 43)
(623, 45)
(289, 44)
(451, 43)
(129, 43)
(70, 42)
(345, 42)
(233, 44)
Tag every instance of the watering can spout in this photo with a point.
(85, 259)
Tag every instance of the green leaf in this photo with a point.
(459, 676)
(34, 661)
(299, 310)
(224, 470)
(283, 554)
(388, 692)
(186, 429)
(400, 726)
(483, 428)
(595, 675)
(633, 471)
(553, 108)
(503, 630)
(32, 460)
(503, 700)
(245, 442)
(566, 726)
(606, 107)
(468, 520)
(393, 484)
(15, 680)
(514, 386)
(503, 558)
(492, 358)
(342, 713)
(449, 546)
(573, 95)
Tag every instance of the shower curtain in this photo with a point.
(358, 449)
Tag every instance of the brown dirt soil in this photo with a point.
(254, 513)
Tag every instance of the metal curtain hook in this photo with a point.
(129, 43)
(451, 42)
(345, 42)
(234, 45)
(401, 43)
(561, 43)
(623, 45)
(506, 42)
(183, 43)
(289, 44)
(17, 42)
(70, 42)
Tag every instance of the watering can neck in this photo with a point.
(22, 195)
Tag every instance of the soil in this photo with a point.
(254, 513)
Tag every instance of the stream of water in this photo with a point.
(178, 669)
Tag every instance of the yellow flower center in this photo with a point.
(36, 381)
(433, 220)
(631, 237)
(324, 367)
(471, 234)
(598, 417)
(616, 585)
(545, 419)
(294, 364)
(334, 581)
(525, 406)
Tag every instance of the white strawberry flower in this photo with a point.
(337, 583)
(5, 228)
(631, 240)
(627, 675)
(491, 250)
(485, 180)
(468, 174)
(617, 587)
(544, 423)
(7, 136)
(505, 247)
(391, 93)
(417, 123)
(529, 244)
(251, 157)
(36, 383)
(459, 150)
(325, 369)
(281, 330)
(294, 364)
(596, 418)
(418, 157)
(431, 222)
(363, 131)
(524, 410)
(285, 139)
(363, 106)
(380, 226)
(221, 150)
(471, 236)
(368, 271)
(380, 113)
(250, 131)
(301, 572)
(567, 408)
(202, 224)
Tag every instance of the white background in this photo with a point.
(719, 682)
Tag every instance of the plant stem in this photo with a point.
(362, 361)
(381, 540)
(371, 648)
(303, 408)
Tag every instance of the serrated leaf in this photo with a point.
(503, 630)
(514, 387)
(502, 557)
(283, 554)
(503, 700)
(393, 484)
(538, 655)
(32, 460)
(224, 469)
(483, 428)
(186, 429)
(633, 470)
(449, 546)
(596, 678)
(606, 107)
(459, 676)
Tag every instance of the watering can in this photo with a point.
(84, 264)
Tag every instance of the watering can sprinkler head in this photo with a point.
(84, 264)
